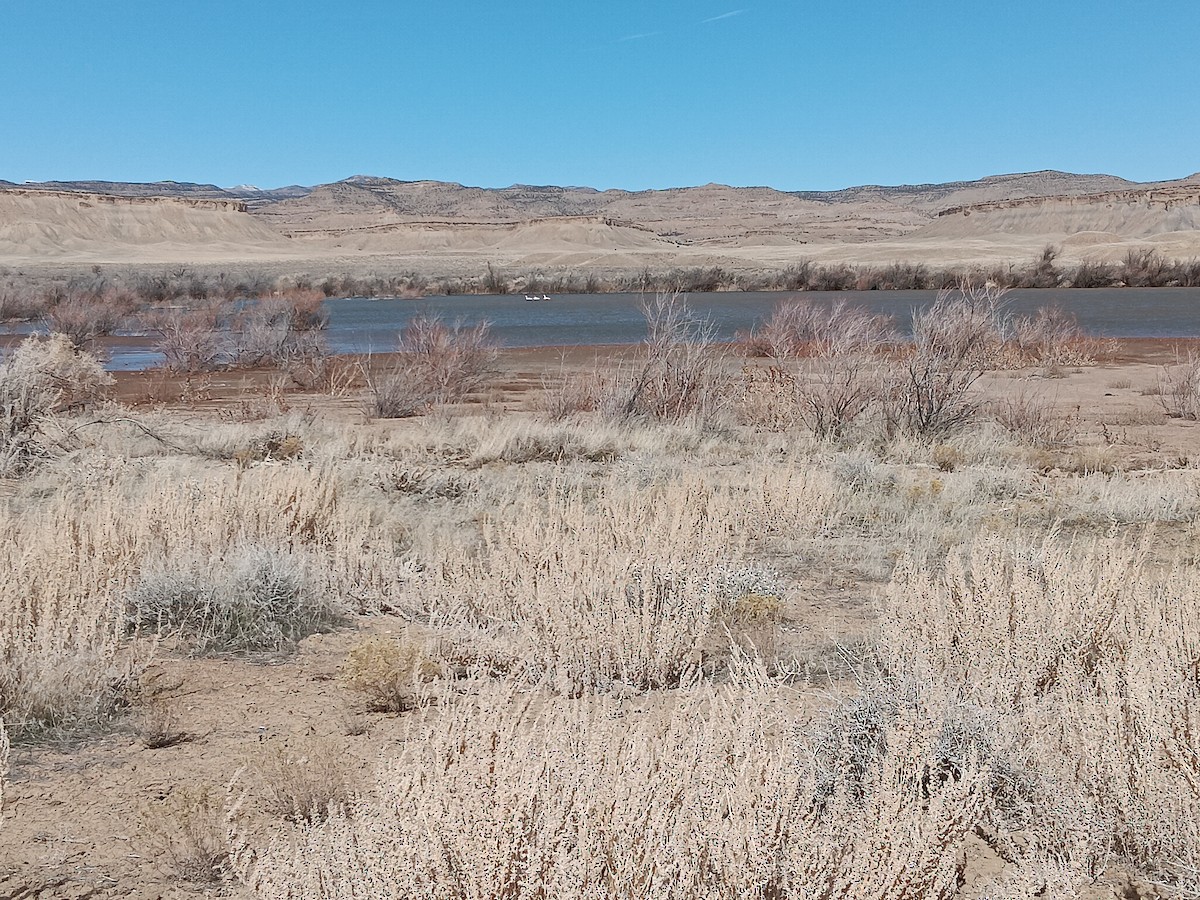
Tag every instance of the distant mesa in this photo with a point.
(441, 227)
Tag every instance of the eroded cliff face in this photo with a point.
(47, 225)
(1161, 197)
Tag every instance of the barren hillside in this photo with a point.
(48, 226)
(444, 228)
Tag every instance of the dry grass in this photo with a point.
(304, 784)
(187, 832)
(391, 672)
(613, 608)
(233, 559)
(157, 725)
(1087, 660)
(610, 584)
(711, 793)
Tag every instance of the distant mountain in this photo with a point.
(454, 227)
(934, 197)
(708, 214)
(252, 195)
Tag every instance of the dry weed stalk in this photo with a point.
(1179, 388)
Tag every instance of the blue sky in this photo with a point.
(657, 93)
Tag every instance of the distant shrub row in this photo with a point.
(109, 298)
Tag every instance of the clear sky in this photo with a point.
(616, 93)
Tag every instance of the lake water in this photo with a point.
(358, 325)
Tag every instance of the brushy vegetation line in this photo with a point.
(93, 304)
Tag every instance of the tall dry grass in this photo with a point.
(1086, 659)
(706, 793)
(610, 584)
(1030, 699)
(159, 550)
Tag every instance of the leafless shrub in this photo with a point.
(1053, 339)
(838, 344)
(396, 394)
(39, 380)
(1094, 274)
(436, 364)
(281, 331)
(20, 304)
(571, 393)
(191, 341)
(1033, 418)
(83, 320)
(955, 340)
(1179, 388)
(1145, 267)
(337, 376)
(679, 378)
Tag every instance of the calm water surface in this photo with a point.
(358, 325)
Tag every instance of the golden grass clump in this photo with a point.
(390, 672)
